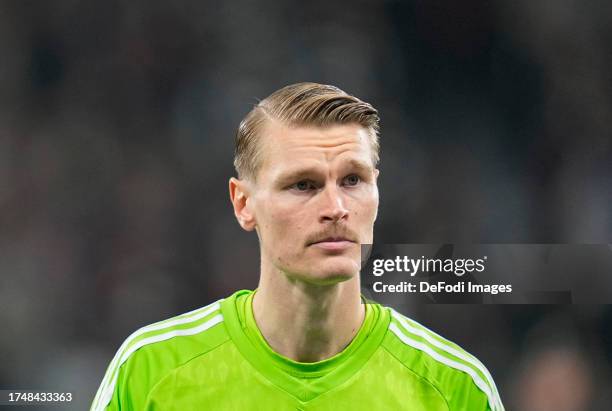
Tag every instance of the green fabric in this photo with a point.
(304, 381)
(215, 358)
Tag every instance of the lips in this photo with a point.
(333, 240)
(334, 243)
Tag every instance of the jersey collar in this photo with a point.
(305, 381)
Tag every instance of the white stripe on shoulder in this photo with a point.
(190, 316)
(185, 318)
(447, 361)
(426, 334)
(108, 393)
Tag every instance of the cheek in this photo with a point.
(367, 210)
(284, 224)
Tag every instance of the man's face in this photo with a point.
(315, 200)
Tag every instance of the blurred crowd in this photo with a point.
(117, 121)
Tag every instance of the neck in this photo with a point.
(306, 322)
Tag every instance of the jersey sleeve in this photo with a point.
(464, 394)
(461, 378)
(125, 388)
(153, 351)
(120, 399)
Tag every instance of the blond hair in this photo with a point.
(301, 104)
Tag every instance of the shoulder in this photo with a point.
(153, 351)
(459, 376)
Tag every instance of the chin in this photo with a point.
(332, 272)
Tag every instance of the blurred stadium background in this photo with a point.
(116, 138)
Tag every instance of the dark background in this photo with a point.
(116, 140)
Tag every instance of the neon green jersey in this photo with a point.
(215, 358)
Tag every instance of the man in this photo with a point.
(306, 160)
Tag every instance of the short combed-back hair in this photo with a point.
(301, 104)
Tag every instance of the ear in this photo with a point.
(239, 196)
(376, 173)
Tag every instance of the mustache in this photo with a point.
(332, 232)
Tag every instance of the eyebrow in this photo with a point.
(297, 174)
(302, 173)
(360, 166)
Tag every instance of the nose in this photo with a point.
(333, 208)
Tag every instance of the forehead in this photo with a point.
(282, 144)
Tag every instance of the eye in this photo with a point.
(352, 180)
(303, 185)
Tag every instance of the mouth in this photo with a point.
(333, 243)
